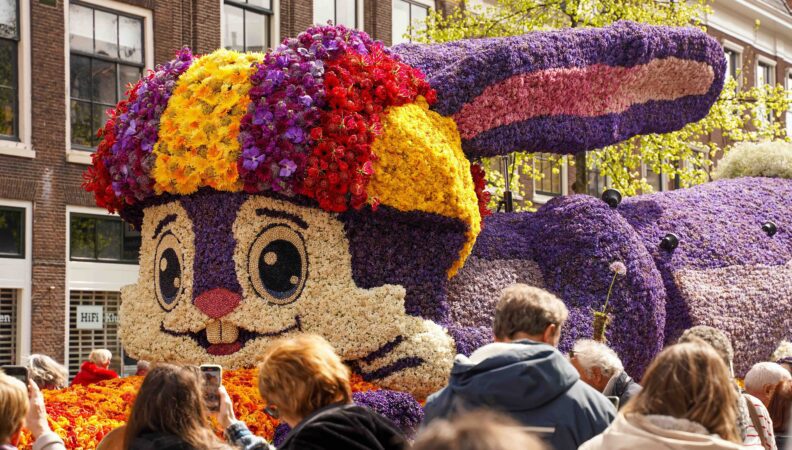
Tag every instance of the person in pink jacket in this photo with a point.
(687, 403)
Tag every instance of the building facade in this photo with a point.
(64, 62)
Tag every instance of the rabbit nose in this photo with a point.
(218, 302)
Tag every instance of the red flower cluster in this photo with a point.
(97, 178)
(480, 183)
(358, 89)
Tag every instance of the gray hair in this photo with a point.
(591, 354)
(764, 373)
(46, 372)
(527, 309)
(714, 337)
(100, 356)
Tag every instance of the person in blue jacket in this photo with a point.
(524, 375)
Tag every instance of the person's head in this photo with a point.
(690, 381)
(302, 374)
(101, 357)
(763, 378)
(14, 406)
(596, 362)
(527, 312)
(715, 338)
(143, 368)
(46, 372)
(780, 407)
(170, 401)
(479, 430)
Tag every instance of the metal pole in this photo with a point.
(508, 203)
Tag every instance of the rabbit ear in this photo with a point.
(572, 90)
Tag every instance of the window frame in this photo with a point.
(96, 259)
(272, 16)
(22, 232)
(81, 155)
(360, 17)
(788, 81)
(117, 62)
(663, 178)
(20, 144)
(543, 196)
(14, 137)
(771, 66)
(428, 4)
(738, 52)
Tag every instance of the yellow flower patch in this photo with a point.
(197, 143)
(420, 166)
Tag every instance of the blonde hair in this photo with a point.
(480, 430)
(100, 356)
(14, 405)
(527, 309)
(690, 381)
(46, 372)
(302, 374)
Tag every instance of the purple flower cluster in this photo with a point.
(413, 249)
(461, 71)
(286, 99)
(137, 129)
(400, 407)
(727, 272)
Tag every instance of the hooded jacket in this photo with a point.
(532, 382)
(657, 433)
(90, 373)
(622, 386)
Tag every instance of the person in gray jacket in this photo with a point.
(523, 375)
(600, 367)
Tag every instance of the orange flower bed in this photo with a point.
(83, 415)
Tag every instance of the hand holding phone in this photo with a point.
(211, 381)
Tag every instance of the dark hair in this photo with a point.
(170, 401)
(779, 407)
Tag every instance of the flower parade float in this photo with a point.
(328, 186)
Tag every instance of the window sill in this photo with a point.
(19, 149)
(79, 156)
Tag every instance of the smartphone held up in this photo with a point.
(211, 380)
(18, 372)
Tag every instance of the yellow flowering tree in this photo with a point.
(686, 155)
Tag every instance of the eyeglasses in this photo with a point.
(272, 410)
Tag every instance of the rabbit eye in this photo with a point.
(168, 271)
(278, 264)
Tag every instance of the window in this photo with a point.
(102, 239)
(732, 62)
(551, 184)
(12, 232)
(340, 12)
(789, 94)
(247, 25)
(764, 73)
(82, 341)
(9, 68)
(407, 13)
(8, 321)
(106, 54)
(653, 178)
(596, 182)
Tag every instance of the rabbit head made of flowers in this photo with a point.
(326, 186)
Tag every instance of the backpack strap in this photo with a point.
(756, 422)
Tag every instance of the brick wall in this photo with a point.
(295, 17)
(48, 180)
